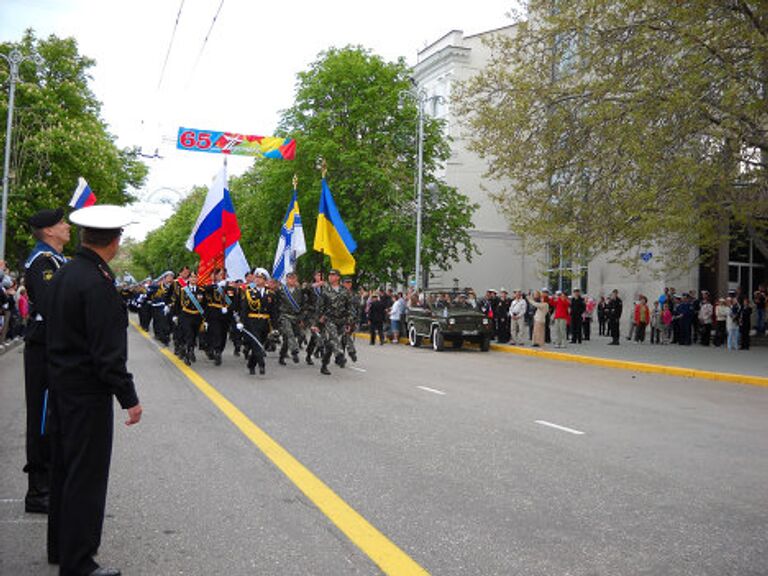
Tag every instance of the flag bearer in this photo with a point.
(218, 313)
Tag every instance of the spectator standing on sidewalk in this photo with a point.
(721, 319)
(706, 313)
(589, 313)
(642, 317)
(562, 314)
(760, 306)
(539, 318)
(376, 315)
(666, 323)
(745, 323)
(602, 329)
(732, 323)
(656, 324)
(578, 309)
(613, 310)
(396, 315)
(517, 312)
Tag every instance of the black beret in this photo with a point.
(46, 218)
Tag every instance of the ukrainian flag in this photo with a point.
(332, 236)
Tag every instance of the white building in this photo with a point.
(503, 260)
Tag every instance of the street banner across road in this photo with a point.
(236, 144)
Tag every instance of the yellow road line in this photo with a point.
(381, 550)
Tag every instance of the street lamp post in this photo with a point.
(14, 59)
(421, 98)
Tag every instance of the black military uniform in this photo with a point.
(234, 293)
(613, 310)
(40, 267)
(218, 314)
(87, 354)
(257, 311)
(159, 296)
(190, 319)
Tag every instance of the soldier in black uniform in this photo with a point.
(257, 316)
(145, 306)
(178, 286)
(613, 310)
(52, 233)
(159, 296)
(87, 354)
(190, 316)
(291, 307)
(218, 314)
(234, 291)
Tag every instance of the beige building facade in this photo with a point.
(503, 261)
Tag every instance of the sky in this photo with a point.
(231, 66)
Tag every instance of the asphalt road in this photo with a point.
(470, 463)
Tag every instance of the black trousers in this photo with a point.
(259, 328)
(613, 329)
(576, 329)
(587, 328)
(160, 324)
(218, 325)
(38, 444)
(145, 316)
(81, 428)
(377, 328)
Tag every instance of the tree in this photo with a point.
(348, 111)
(616, 125)
(58, 135)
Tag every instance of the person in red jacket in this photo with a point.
(562, 315)
(642, 318)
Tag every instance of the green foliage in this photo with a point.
(58, 135)
(616, 125)
(349, 111)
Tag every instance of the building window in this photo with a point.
(565, 273)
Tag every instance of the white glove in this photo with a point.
(175, 319)
(166, 310)
(223, 283)
(223, 309)
(205, 326)
(239, 326)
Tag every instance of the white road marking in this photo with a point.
(558, 427)
(431, 390)
(358, 369)
(10, 500)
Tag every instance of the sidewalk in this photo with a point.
(694, 361)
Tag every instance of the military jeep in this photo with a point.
(448, 316)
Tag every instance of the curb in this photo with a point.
(636, 366)
(8, 346)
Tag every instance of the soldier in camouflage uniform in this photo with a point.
(348, 339)
(334, 318)
(290, 304)
(312, 297)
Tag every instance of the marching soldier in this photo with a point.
(235, 292)
(159, 296)
(145, 309)
(348, 339)
(51, 233)
(313, 297)
(218, 306)
(291, 304)
(333, 320)
(178, 287)
(257, 311)
(190, 315)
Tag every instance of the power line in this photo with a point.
(205, 40)
(170, 44)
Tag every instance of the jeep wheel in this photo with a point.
(485, 344)
(438, 342)
(413, 339)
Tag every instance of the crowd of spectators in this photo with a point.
(14, 307)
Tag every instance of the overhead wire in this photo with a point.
(170, 44)
(205, 41)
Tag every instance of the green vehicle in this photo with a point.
(448, 316)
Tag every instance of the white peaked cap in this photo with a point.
(261, 272)
(102, 216)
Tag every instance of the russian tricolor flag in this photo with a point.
(83, 195)
(216, 233)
